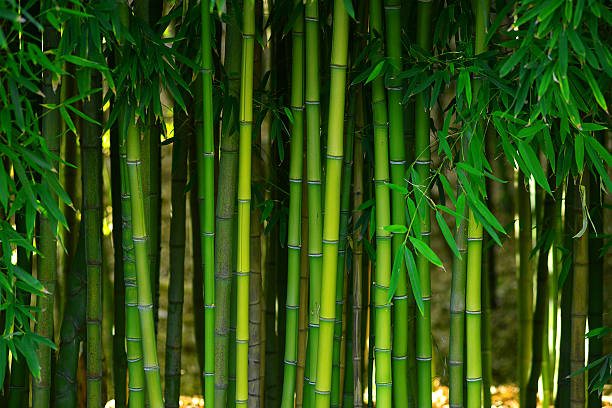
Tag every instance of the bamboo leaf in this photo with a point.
(395, 271)
(585, 215)
(579, 151)
(413, 275)
(396, 229)
(348, 5)
(400, 189)
(448, 235)
(426, 251)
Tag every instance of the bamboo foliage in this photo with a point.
(441, 97)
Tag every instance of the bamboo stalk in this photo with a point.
(539, 364)
(256, 332)
(91, 152)
(47, 241)
(303, 311)
(562, 399)
(402, 392)
(596, 280)
(422, 164)
(456, 360)
(143, 279)
(345, 202)
(244, 206)
(525, 286)
(174, 333)
(580, 293)
(206, 195)
(133, 336)
(339, 56)
(226, 205)
(294, 236)
(313, 179)
(357, 256)
(382, 327)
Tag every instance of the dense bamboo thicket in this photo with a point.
(386, 197)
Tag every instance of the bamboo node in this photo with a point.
(291, 362)
(423, 358)
(473, 312)
(387, 384)
(473, 379)
(322, 392)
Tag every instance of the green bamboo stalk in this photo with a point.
(525, 286)
(382, 328)
(345, 202)
(206, 195)
(339, 56)
(539, 363)
(244, 204)
(143, 279)
(198, 278)
(226, 205)
(177, 260)
(133, 336)
(47, 241)
(473, 292)
(580, 292)
(91, 152)
(402, 392)
(422, 164)
(357, 296)
(294, 235)
(303, 311)
(562, 399)
(119, 353)
(457, 318)
(313, 179)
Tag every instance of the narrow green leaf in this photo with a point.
(448, 235)
(426, 251)
(397, 263)
(415, 280)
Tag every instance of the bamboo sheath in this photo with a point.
(421, 193)
(225, 222)
(244, 205)
(339, 56)
(294, 236)
(313, 180)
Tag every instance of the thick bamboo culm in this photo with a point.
(244, 205)
(331, 223)
(294, 237)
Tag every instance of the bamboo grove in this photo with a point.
(338, 190)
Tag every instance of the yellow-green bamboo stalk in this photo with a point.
(244, 204)
(339, 56)
(294, 238)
